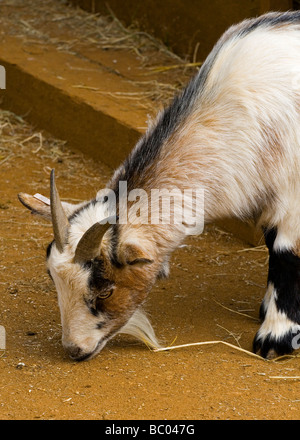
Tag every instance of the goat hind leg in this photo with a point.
(280, 309)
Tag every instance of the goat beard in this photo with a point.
(140, 327)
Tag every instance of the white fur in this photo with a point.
(251, 83)
(140, 327)
(276, 324)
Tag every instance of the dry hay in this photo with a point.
(16, 137)
(235, 347)
(19, 140)
(71, 30)
(80, 29)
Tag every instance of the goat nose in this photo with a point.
(75, 352)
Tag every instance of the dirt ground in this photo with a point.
(212, 277)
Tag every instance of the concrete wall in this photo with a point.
(181, 24)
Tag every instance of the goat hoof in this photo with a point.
(270, 346)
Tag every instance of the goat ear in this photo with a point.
(37, 204)
(40, 205)
(164, 270)
(134, 254)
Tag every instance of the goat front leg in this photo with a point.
(279, 333)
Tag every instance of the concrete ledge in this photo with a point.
(67, 117)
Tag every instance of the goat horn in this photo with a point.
(89, 244)
(60, 221)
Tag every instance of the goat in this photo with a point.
(233, 131)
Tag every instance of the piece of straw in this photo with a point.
(157, 69)
(235, 311)
(285, 377)
(174, 347)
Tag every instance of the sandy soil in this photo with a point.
(212, 277)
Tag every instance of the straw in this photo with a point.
(175, 347)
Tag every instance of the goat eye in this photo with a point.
(105, 295)
(100, 298)
(88, 264)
